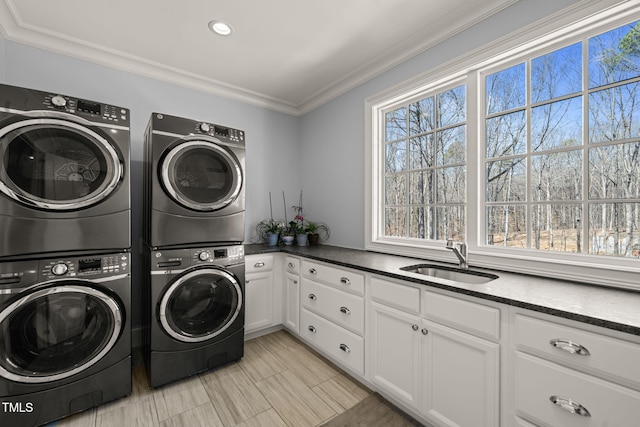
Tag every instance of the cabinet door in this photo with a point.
(292, 303)
(395, 353)
(258, 311)
(460, 377)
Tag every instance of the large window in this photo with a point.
(531, 155)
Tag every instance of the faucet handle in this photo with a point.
(449, 243)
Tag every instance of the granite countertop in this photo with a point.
(616, 309)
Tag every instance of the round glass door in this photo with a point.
(200, 305)
(56, 332)
(201, 176)
(56, 164)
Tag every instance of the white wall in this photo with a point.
(333, 134)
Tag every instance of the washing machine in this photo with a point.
(196, 311)
(64, 174)
(65, 334)
(194, 189)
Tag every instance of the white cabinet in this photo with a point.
(259, 293)
(571, 374)
(292, 294)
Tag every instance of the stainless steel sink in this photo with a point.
(472, 277)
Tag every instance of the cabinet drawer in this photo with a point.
(346, 280)
(258, 263)
(346, 347)
(537, 380)
(611, 357)
(292, 265)
(472, 317)
(403, 297)
(340, 307)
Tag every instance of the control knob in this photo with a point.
(205, 127)
(59, 101)
(204, 256)
(59, 269)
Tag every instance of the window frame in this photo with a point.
(569, 26)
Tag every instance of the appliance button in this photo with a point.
(204, 127)
(59, 269)
(204, 256)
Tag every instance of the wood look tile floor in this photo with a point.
(278, 382)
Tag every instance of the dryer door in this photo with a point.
(201, 175)
(57, 331)
(200, 304)
(55, 164)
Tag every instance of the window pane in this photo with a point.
(451, 184)
(507, 226)
(506, 180)
(557, 125)
(613, 229)
(395, 157)
(556, 74)
(615, 55)
(506, 135)
(614, 113)
(421, 188)
(557, 176)
(451, 223)
(506, 89)
(421, 152)
(614, 172)
(395, 124)
(420, 222)
(395, 192)
(452, 107)
(395, 222)
(556, 227)
(452, 146)
(421, 116)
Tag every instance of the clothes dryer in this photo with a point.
(194, 174)
(195, 303)
(65, 329)
(64, 174)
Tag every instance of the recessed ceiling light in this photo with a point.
(220, 28)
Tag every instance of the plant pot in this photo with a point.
(287, 240)
(272, 239)
(302, 239)
(314, 239)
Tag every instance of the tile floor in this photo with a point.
(278, 382)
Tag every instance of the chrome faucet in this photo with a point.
(460, 249)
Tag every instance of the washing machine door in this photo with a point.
(55, 164)
(201, 175)
(57, 331)
(200, 304)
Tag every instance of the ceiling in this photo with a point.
(286, 55)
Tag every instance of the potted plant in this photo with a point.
(317, 231)
(289, 233)
(269, 230)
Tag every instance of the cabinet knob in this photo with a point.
(414, 327)
(295, 282)
(258, 264)
(570, 405)
(313, 297)
(247, 281)
(345, 281)
(345, 348)
(291, 265)
(425, 331)
(345, 310)
(569, 346)
(312, 329)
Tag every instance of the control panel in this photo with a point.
(178, 259)
(220, 132)
(91, 110)
(90, 266)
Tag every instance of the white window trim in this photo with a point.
(554, 30)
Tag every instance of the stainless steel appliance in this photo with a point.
(195, 303)
(64, 174)
(65, 334)
(194, 189)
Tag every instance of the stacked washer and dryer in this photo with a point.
(65, 284)
(194, 206)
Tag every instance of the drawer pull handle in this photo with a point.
(345, 348)
(312, 328)
(414, 327)
(295, 282)
(345, 281)
(313, 271)
(291, 265)
(345, 310)
(258, 264)
(313, 297)
(570, 405)
(569, 346)
(425, 331)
